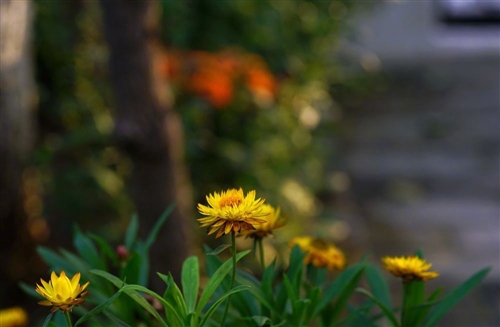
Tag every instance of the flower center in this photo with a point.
(230, 201)
(319, 244)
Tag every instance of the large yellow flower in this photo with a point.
(409, 268)
(61, 293)
(231, 211)
(13, 317)
(273, 221)
(320, 253)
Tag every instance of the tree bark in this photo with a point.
(147, 127)
(17, 101)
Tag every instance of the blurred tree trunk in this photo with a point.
(147, 127)
(17, 102)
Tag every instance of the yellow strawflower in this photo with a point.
(273, 221)
(13, 317)
(231, 211)
(61, 292)
(409, 268)
(320, 253)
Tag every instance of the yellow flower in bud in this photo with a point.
(320, 253)
(409, 268)
(61, 292)
(13, 317)
(273, 221)
(231, 212)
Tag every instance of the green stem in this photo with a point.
(233, 277)
(68, 319)
(261, 254)
(406, 304)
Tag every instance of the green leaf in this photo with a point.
(256, 291)
(47, 320)
(131, 289)
(215, 280)
(54, 260)
(378, 285)
(97, 310)
(217, 303)
(143, 251)
(30, 290)
(339, 285)
(173, 295)
(219, 249)
(131, 233)
(347, 290)
(76, 262)
(133, 295)
(116, 321)
(261, 320)
(156, 228)
(190, 278)
(105, 248)
(455, 296)
(132, 269)
(387, 312)
(87, 249)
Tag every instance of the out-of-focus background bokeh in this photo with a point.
(373, 124)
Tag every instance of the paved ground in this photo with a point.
(424, 155)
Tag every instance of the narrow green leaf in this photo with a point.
(217, 303)
(156, 228)
(143, 252)
(378, 285)
(215, 280)
(190, 278)
(131, 289)
(219, 249)
(105, 248)
(78, 264)
(119, 283)
(132, 269)
(47, 320)
(255, 291)
(87, 249)
(173, 295)
(54, 260)
(338, 285)
(345, 293)
(387, 312)
(455, 296)
(30, 290)
(261, 320)
(292, 296)
(131, 233)
(116, 321)
(97, 310)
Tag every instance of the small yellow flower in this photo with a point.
(61, 293)
(273, 221)
(409, 268)
(13, 317)
(231, 211)
(320, 253)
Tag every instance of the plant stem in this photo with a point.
(233, 277)
(68, 319)
(261, 254)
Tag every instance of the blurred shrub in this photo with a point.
(251, 81)
(81, 173)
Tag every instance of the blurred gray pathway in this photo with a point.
(424, 156)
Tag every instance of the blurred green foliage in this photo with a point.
(278, 145)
